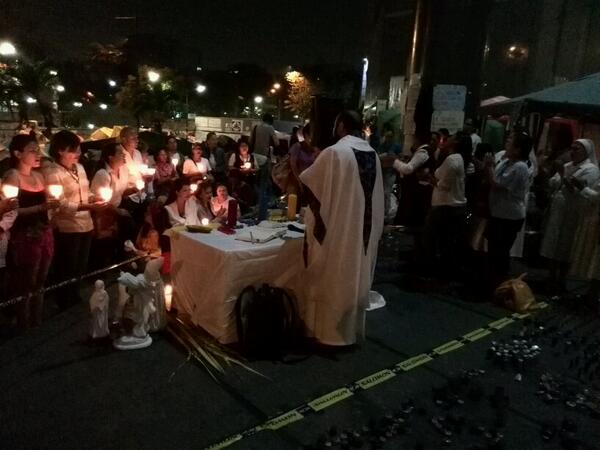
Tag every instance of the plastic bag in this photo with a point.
(515, 295)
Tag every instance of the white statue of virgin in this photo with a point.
(144, 289)
(99, 310)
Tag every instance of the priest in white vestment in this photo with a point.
(344, 223)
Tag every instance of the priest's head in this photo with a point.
(348, 123)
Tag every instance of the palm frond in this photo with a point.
(212, 355)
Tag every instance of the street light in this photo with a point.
(91, 126)
(53, 73)
(103, 106)
(153, 76)
(272, 91)
(77, 104)
(277, 86)
(7, 49)
(200, 88)
(112, 83)
(30, 100)
(60, 88)
(258, 99)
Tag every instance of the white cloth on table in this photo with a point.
(209, 272)
(343, 228)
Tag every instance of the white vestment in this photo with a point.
(343, 226)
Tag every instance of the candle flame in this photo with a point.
(10, 191)
(193, 187)
(105, 193)
(168, 296)
(205, 222)
(55, 190)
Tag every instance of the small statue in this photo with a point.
(144, 290)
(99, 309)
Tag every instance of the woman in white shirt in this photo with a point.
(196, 167)
(113, 174)
(509, 181)
(220, 203)
(204, 207)
(178, 208)
(112, 224)
(445, 221)
(72, 220)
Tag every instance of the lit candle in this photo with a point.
(292, 204)
(193, 187)
(55, 190)
(10, 191)
(168, 296)
(139, 184)
(175, 161)
(105, 193)
(205, 222)
(248, 165)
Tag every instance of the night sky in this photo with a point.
(266, 32)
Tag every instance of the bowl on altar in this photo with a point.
(198, 228)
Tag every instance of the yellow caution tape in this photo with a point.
(327, 400)
(375, 379)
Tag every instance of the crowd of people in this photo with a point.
(58, 218)
(63, 213)
(468, 206)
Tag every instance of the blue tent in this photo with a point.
(577, 98)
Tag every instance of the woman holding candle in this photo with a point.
(165, 174)
(242, 175)
(242, 159)
(204, 208)
(178, 206)
(220, 203)
(171, 147)
(8, 213)
(31, 243)
(196, 167)
(68, 183)
(113, 224)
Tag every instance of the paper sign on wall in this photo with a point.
(449, 97)
(452, 120)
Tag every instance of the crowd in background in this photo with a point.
(467, 206)
(61, 215)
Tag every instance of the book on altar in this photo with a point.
(258, 236)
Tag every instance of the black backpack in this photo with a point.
(267, 322)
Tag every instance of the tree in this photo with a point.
(35, 80)
(299, 94)
(148, 101)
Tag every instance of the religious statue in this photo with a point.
(99, 309)
(145, 308)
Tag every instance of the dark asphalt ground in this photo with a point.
(60, 391)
